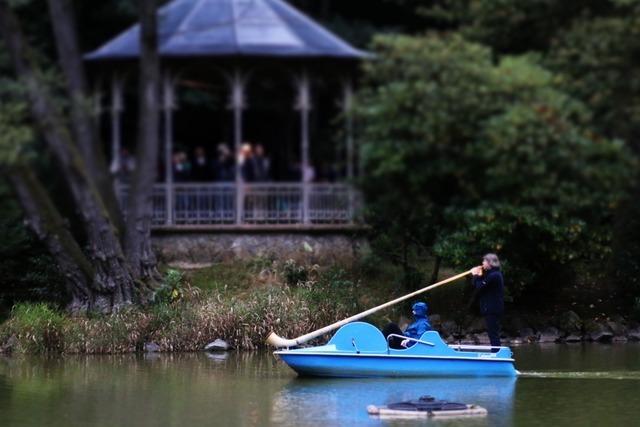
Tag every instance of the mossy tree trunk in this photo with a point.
(138, 236)
(113, 279)
(83, 122)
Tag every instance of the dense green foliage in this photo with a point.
(26, 270)
(465, 156)
(598, 60)
(468, 149)
(513, 26)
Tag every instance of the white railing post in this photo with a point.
(303, 104)
(169, 104)
(237, 103)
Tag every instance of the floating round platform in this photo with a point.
(427, 407)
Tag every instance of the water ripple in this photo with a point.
(590, 375)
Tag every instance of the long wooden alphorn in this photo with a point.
(276, 341)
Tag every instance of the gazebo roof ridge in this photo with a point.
(224, 28)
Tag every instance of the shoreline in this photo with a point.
(221, 353)
(200, 322)
(67, 344)
(241, 304)
(565, 327)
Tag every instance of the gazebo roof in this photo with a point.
(209, 28)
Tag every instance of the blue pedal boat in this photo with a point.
(359, 349)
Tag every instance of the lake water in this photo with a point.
(561, 385)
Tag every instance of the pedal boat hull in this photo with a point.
(359, 349)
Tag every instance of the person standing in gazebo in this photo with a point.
(223, 166)
(245, 163)
(261, 164)
(202, 171)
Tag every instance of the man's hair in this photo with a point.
(492, 259)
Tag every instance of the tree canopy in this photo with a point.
(464, 155)
(499, 125)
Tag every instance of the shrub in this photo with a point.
(333, 292)
(298, 274)
(37, 328)
(27, 271)
(172, 287)
(294, 273)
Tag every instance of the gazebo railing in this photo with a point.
(262, 205)
(273, 204)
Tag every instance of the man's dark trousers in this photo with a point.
(493, 329)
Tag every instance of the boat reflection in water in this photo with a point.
(311, 402)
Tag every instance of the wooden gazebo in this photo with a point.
(237, 38)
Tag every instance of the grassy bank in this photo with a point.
(243, 302)
(240, 303)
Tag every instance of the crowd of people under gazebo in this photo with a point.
(254, 167)
(199, 166)
(254, 164)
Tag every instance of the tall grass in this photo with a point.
(186, 318)
(35, 328)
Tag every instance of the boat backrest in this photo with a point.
(434, 338)
(359, 336)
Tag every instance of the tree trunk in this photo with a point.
(113, 277)
(436, 270)
(83, 123)
(139, 210)
(47, 223)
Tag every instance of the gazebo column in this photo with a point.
(168, 105)
(347, 106)
(237, 103)
(96, 96)
(117, 106)
(303, 105)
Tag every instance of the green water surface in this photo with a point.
(561, 385)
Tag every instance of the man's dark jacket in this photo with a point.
(490, 292)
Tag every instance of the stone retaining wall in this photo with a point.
(199, 249)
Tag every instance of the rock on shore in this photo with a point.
(564, 327)
(217, 345)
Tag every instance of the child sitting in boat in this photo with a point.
(415, 330)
